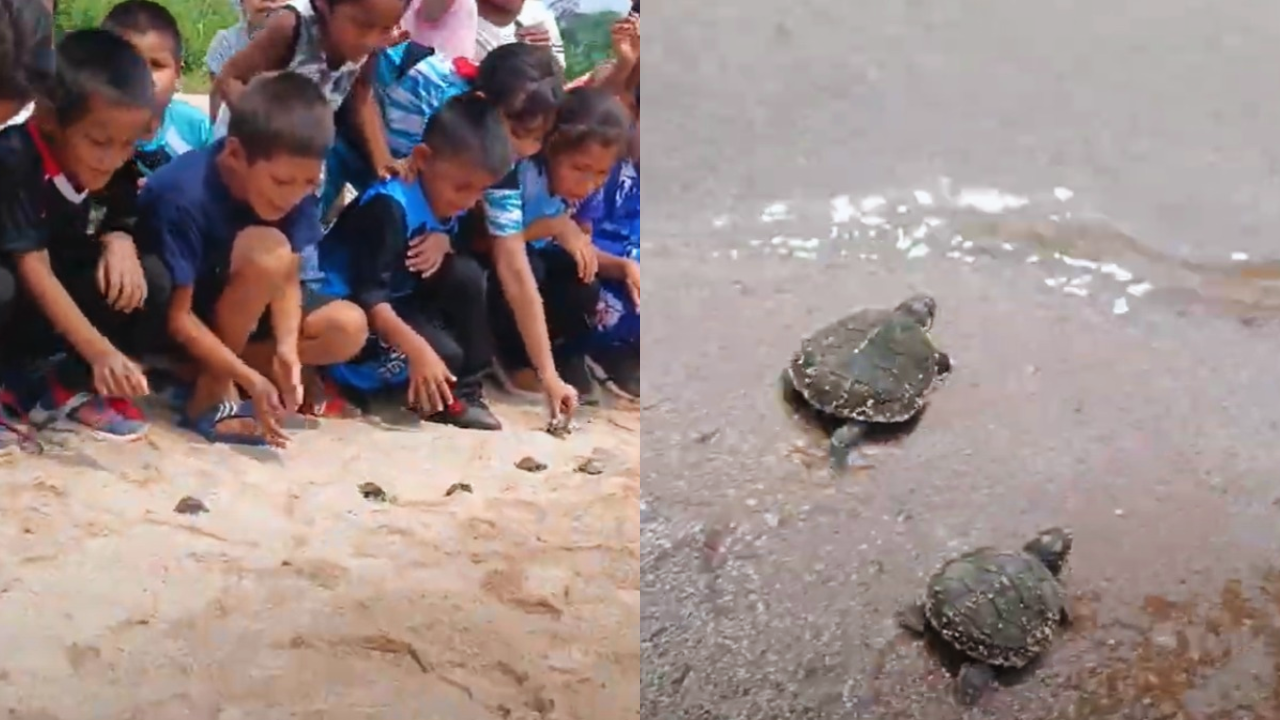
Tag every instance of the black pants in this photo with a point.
(448, 310)
(569, 303)
(28, 334)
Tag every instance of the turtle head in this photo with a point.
(1051, 547)
(920, 308)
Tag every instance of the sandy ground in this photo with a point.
(295, 596)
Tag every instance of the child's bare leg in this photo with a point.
(333, 331)
(261, 262)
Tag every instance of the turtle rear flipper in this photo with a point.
(912, 618)
(844, 447)
(974, 681)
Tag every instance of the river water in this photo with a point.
(1089, 192)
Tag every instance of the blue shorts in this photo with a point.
(617, 319)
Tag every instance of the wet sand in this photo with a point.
(770, 586)
(295, 596)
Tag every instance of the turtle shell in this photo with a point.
(871, 366)
(1000, 607)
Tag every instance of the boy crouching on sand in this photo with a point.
(230, 221)
(68, 203)
(434, 321)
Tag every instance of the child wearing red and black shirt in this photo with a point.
(67, 210)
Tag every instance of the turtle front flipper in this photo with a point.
(974, 681)
(912, 618)
(844, 447)
(942, 365)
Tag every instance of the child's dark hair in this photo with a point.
(470, 127)
(97, 63)
(282, 114)
(523, 81)
(139, 17)
(26, 49)
(589, 116)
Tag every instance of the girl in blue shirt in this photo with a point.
(542, 252)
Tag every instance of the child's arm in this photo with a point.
(368, 121)
(268, 51)
(626, 53)
(24, 237)
(175, 232)
(520, 288)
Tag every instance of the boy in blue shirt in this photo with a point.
(180, 127)
(230, 221)
(430, 328)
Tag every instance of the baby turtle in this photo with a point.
(873, 366)
(999, 608)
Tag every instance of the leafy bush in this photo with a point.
(198, 20)
(586, 41)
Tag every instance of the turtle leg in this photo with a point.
(942, 362)
(844, 446)
(975, 679)
(912, 618)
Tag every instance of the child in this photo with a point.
(449, 26)
(325, 40)
(435, 321)
(614, 357)
(534, 204)
(26, 55)
(229, 41)
(411, 83)
(69, 206)
(503, 22)
(180, 127)
(230, 220)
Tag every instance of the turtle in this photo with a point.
(872, 366)
(998, 608)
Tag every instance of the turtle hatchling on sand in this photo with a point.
(1000, 608)
(873, 366)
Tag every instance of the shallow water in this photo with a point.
(1148, 426)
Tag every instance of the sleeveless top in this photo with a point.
(379, 366)
(310, 61)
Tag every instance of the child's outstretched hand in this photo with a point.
(115, 375)
(402, 168)
(578, 245)
(427, 252)
(625, 36)
(120, 277)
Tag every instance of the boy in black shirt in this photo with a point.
(67, 209)
(431, 328)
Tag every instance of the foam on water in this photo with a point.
(1083, 254)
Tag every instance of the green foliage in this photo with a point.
(199, 20)
(586, 41)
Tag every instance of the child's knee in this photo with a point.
(261, 252)
(341, 326)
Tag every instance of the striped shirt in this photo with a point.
(408, 96)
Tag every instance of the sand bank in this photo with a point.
(297, 597)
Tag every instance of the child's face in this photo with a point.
(162, 57)
(526, 140)
(577, 173)
(452, 184)
(93, 149)
(357, 28)
(273, 186)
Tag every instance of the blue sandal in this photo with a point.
(206, 424)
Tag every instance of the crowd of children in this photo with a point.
(495, 225)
